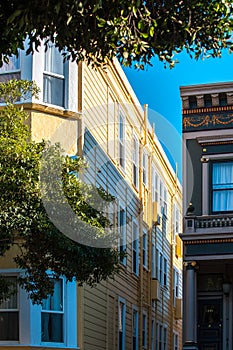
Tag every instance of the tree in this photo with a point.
(132, 30)
(25, 224)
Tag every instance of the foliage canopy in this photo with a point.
(132, 30)
(25, 226)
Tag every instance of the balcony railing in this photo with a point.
(210, 223)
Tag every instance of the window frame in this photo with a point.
(145, 167)
(121, 139)
(175, 341)
(135, 310)
(135, 248)
(122, 235)
(60, 77)
(15, 310)
(123, 321)
(176, 285)
(145, 248)
(213, 162)
(144, 330)
(30, 317)
(57, 312)
(135, 160)
(153, 258)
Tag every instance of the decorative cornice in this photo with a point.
(207, 110)
(215, 120)
(208, 241)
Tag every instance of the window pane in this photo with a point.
(52, 327)
(54, 61)
(54, 302)
(222, 185)
(9, 326)
(222, 175)
(11, 301)
(53, 90)
(14, 64)
(223, 200)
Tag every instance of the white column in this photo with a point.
(190, 313)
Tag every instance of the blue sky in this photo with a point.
(159, 88)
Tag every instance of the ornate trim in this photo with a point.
(207, 241)
(207, 120)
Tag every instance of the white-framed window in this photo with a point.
(135, 248)
(145, 168)
(135, 160)
(121, 323)
(161, 336)
(55, 77)
(175, 341)
(176, 282)
(161, 193)
(222, 186)
(52, 315)
(161, 267)
(122, 233)
(176, 221)
(165, 200)
(121, 138)
(135, 328)
(52, 324)
(145, 248)
(144, 330)
(155, 189)
(153, 258)
(9, 314)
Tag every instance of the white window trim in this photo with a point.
(145, 168)
(175, 336)
(153, 258)
(122, 300)
(176, 284)
(122, 142)
(135, 162)
(30, 317)
(135, 224)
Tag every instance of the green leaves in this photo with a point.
(24, 222)
(104, 30)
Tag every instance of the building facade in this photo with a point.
(208, 215)
(94, 113)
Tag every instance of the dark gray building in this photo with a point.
(208, 216)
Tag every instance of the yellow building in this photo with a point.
(95, 113)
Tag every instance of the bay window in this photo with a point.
(222, 186)
(53, 323)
